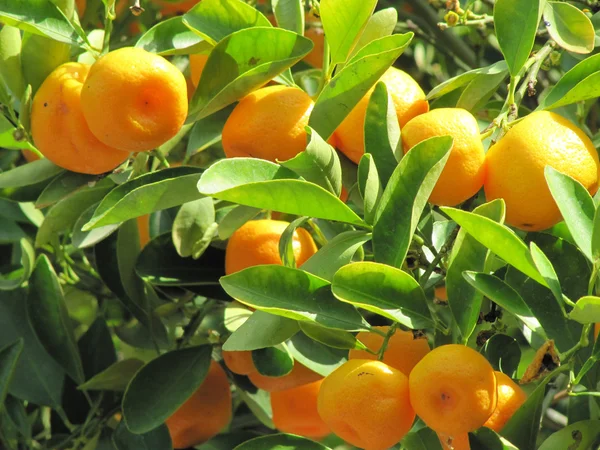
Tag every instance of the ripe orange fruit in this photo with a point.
(453, 389)
(596, 330)
(143, 223)
(459, 442)
(197, 63)
(81, 5)
(403, 351)
(409, 100)
(205, 413)
(515, 167)
(510, 398)
(239, 362)
(59, 129)
(134, 100)
(299, 376)
(464, 172)
(269, 124)
(175, 8)
(295, 411)
(441, 293)
(314, 32)
(257, 242)
(367, 404)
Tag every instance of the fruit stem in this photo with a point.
(386, 341)
(593, 279)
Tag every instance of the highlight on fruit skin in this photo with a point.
(510, 398)
(59, 129)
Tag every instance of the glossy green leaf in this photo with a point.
(422, 439)
(214, 20)
(50, 319)
(335, 254)
(163, 385)
(40, 17)
(382, 132)
(596, 237)
(40, 55)
(405, 198)
(29, 174)
(266, 185)
(316, 356)
(114, 378)
(145, 194)
(469, 254)
(291, 293)
(38, 377)
(369, 186)
(273, 361)
(10, 60)
(9, 356)
(289, 14)
(382, 23)
(579, 435)
(318, 164)
(234, 219)
(486, 439)
(63, 185)
(156, 439)
(243, 62)
(465, 78)
(569, 27)
(281, 442)
(580, 83)
(383, 290)
(261, 330)
(194, 227)
(286, 242)
(499, 239)
(514, 18)
(172, 37)
(505, 296)
(546, 269)
(207, 132)
(331, 338)
(344, 22)
(576, 206)
(16, 278)
(586, 310)
(85, 239)
(503, 353)
(480, 90)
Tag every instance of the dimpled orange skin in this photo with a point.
(366, 403)
(59, 129)
(453, 389)
(197, 63)
(239, 362)
(515, 167)
(403, 351)
(464, 172)
(257, 242)
(134, 100)
(299, 376)
(295, 411)
(205, 413)
(409, 100)
(268, 124)
(510, 398)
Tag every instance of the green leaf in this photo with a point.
(468, 254)
(344, 22)
(207, 132)
(405, 198)
(576, 206)
(382, 132)
(234, 219)
(16, 278)
(261, 330)
(586, 310)
(148, 193)
(382, 23)
(317, 357)
(335, 254)
(10, 60)
(172, 37)
(465, 78)
(50, 319)
(569, 27)
(29, 174)
(160, 387)
(369, 186)
(85, 239)
(194, 227)
(487, 439)
(332, 338)
(351, 84)
(383, 290)
(289, 15)
(596, 237)
(214, 20)
(63, 185)
(578, 435)
(38, 377)
(546, 269)
(505, 296)
(9, 356)
(128, 250)
(480, 90)
(423, 439)
(114, 378)
(281, 442)
(286, 242)
(273, 361)
(243, 62)
(40, 17)
(40, 55)
(516, 23)
(503, 353)
(259, 402)
(156, 439)
(266, 185)
(499, 239)
(318, 164)
(292, 293)
(580, 83)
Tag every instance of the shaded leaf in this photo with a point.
(261, 330)
(114, 378)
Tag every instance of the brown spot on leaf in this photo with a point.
(253, 61)
(545, 361)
